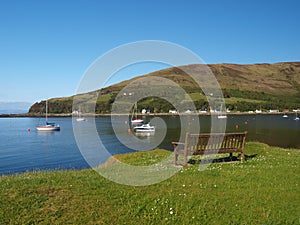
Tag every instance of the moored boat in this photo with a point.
(144, 128)
(296, 117)
(136, 121)
(48, 126)
(222, 117)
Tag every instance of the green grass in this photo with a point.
(197, 97)
(104, 98)
(262, 190)
(231, 100)
(234, 100)
(143, 158)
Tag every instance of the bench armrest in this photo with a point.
(178, 143)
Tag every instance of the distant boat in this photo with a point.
(80, 118)
(297, 118)
(48, 126)
(222, 117)
(285, 116)
(222, 114)
(145, 128)
(136, 120)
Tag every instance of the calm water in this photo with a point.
(21, 150)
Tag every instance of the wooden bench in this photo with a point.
(200, 144)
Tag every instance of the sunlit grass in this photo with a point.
(262, 190)
(234, 100)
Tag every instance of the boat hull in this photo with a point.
(80, 119)
(48, 128)
(145, 128)
(137, 122)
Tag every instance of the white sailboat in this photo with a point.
(138, 126)
(222, 114)
(136, 120)
(79, 117)
(297, 118)
(48, 126)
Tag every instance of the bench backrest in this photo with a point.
(198, 143)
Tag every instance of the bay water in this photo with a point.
(22, 148)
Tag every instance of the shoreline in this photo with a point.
(30, 115)
(112, 160)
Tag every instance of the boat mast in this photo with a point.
(46, 111)
(134, 112)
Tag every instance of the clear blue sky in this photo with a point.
(46, 46)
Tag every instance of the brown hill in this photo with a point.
(249, 86)
(278, 78)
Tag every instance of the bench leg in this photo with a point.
(185, 159)
(230, 156)
(175, 157)
(242, 157)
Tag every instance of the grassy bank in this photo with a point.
(263, 190)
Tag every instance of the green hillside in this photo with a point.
(245, 87)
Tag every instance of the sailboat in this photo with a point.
(136, 120)
(222, 114)
(79, 117)
(297, 118)
(48, 126)
(138, 126)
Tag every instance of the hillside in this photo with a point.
(245, 87)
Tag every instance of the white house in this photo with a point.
(173, 111)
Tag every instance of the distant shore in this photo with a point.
(140, 114)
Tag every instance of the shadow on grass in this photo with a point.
(226, 159)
